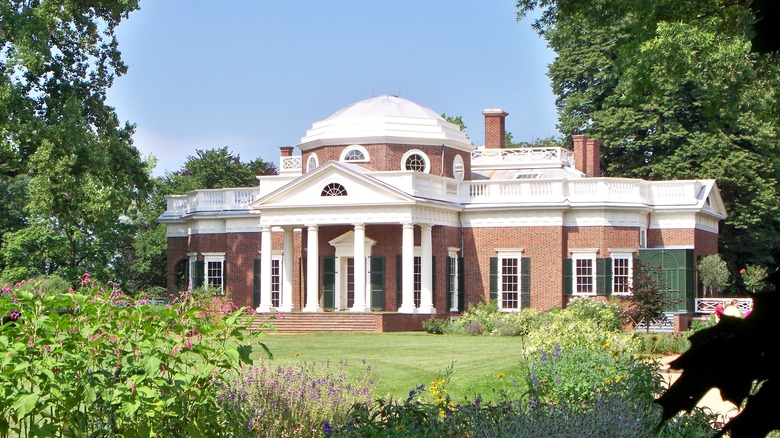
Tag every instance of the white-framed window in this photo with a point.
(622, 271)
(312, 162)
(193, 257)
(214, 275)
(584, 272)
(452, 278)
(458, 168)
(509, 280)
(355, 154)
(643, 237)
(415, 160)
(276, 282)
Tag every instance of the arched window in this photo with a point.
(355, 153)
(312, 163)
(416, 161)
(458, 168)
(334, 189)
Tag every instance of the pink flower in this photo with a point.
(85, 279)
(742, 271)
(132, 386)
(6, 288)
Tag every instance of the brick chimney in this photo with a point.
(593, 157)
(495, 130)
(587, 155)
(286, 151)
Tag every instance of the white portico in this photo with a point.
(338, 195)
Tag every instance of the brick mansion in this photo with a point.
(387, 207)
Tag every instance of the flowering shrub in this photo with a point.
(662, 343)
(94, 362)
(606, 314)
(296, 401)
(577, 375)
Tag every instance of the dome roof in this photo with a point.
(385, 119)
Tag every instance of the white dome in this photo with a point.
(385, 119)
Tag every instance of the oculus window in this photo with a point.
(415, 161)
(334, 189)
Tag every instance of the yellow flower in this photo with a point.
(399, 427)
(297, 354)
(500, 375)
(606, 345)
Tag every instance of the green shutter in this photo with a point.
(525, 282)
(604, 276)
(399, 286)
(256, 283)
(198, 272)
(377, 282)
(494, 279)
(461, 285)
(329, 283)
(447, 282)
(303, 280)
(567, 276)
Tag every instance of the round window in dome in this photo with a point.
(458, 168)
(415, 161)
(355, 154)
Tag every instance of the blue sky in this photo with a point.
(254, 75)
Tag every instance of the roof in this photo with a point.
(385, 119)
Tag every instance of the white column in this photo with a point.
(426, 270)
(266, 251)
(407, 263)
(287, 271)
(359, 251)
(312, 270)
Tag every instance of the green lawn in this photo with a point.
(403, 361)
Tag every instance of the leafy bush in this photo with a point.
(96, 363)
(605, 314)
(51, 284)
(576, 375)
(662, 343)
(565, 330)
(436, 326)
(296, 400)
(474, 328)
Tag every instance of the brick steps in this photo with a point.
(319, 322)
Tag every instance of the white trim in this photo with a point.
(422, 154)
(622, 254)
(509, 254)
(214, 257)
(354, 147)
(312, 157)
(584, 254)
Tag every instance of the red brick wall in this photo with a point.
(495, 130)
(542, 244)
(387, 157)
(601, 238)
(177, 251)
(670, 237)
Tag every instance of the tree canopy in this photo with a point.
(674, 91)
(67, 164)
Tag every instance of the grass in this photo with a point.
(403, 361)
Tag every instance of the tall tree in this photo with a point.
(71, 164)
(673, 90)
(207, 169)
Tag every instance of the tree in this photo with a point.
(713, 273)
(649, 298)
(68, 161)
(754, 277)
(674, 91)
(207, 169)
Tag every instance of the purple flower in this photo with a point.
(326, 428)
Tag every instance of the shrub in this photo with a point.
(297, 400)
(662, 343)
(50, 284)
(436, 326)
(82, 364)
(474, 328)
(485, 314)
(605, 314)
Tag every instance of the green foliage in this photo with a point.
(605, 314)
(435, 326)
(662, 343)
(673, 92)
(754, 277)
(97, 363)
(714, 273)
(50, 284)
(297, 400)
(577, 375)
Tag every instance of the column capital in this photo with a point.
(407, 225)
(359, 225)
(313, 227)
(426, 226)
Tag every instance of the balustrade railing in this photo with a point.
(707, 305)
(292, 164)
(212, 200)
(522, 155)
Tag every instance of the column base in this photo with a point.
(284, 309)
(263, 309)
(361, 309)
(426, 310)
(403, 309)
(308, 309)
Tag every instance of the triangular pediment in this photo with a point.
(712, 201)
(334, 184)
